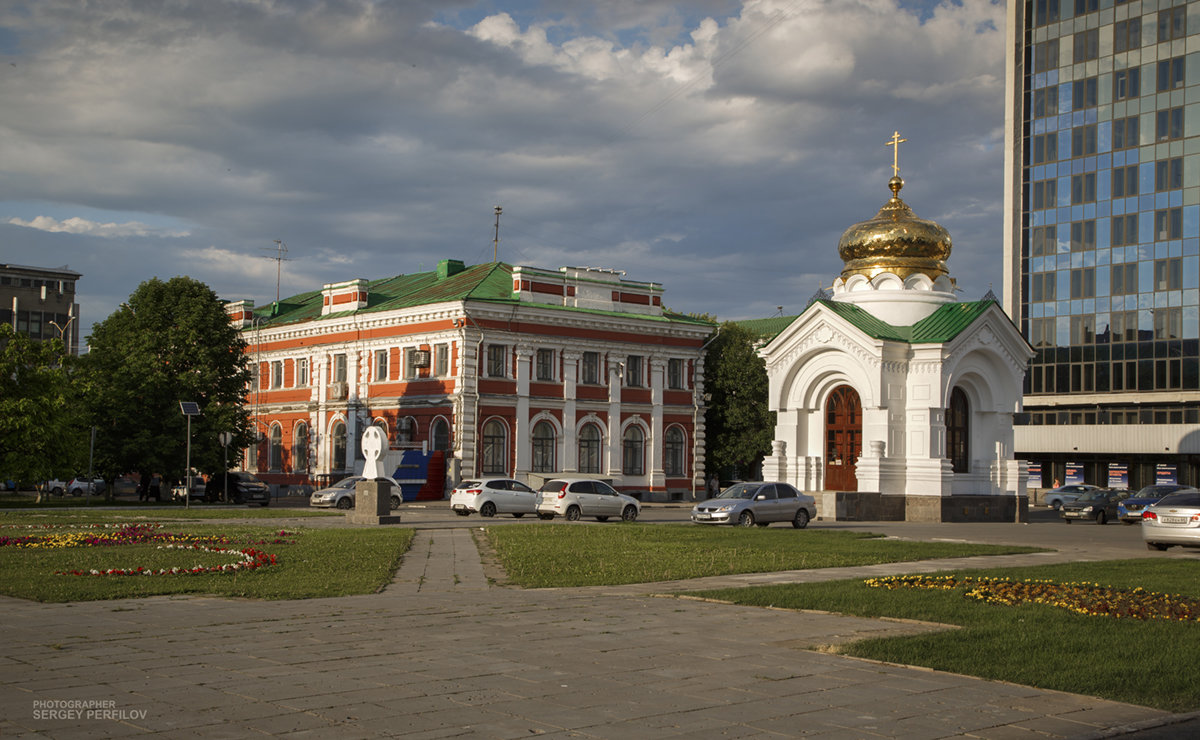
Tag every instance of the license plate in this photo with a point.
(1173, 519)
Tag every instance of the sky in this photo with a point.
(718, 147)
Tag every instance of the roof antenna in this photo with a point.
(496, 242)
(280, 257)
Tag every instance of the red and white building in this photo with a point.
(507, 370)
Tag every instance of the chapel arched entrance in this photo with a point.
(843, 439)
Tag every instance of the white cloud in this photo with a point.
(719, 147)
(76, 225)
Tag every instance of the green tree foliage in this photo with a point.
(42, 430)
(739, 426)
(171, 342)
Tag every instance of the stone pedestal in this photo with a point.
(372, 503)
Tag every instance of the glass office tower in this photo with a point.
(1102, 235)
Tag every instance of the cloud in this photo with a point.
(76, 225)
(719, 147)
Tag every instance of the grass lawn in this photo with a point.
(309, 563)
(1153, 663)
(568, 555)
(78, 509)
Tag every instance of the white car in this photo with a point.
(1056, 497)
(574, 498)
(492, 496)
(341, 494)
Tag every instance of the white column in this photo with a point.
(522, 441)
(614, 415)
(658, 369)
(570, 378)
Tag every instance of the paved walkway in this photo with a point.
(441, 653)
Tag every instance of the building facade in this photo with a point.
(507, 370)
(1102, 237)
(40, 303)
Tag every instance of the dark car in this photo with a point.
(1130, 510)
(1098, 505)
(244, 488)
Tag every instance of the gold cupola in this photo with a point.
(896, 241)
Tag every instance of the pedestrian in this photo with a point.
(1055, 483)
(143, 487)
(156, 487)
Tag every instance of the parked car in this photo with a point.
(579, 497)
(1130, 510)
(1056, 497)
(1100, 505)
(341, 494)
(196, 489)
(760, 503)
(85, 487)
(1174, 520)
(244, 488)
(492, 496)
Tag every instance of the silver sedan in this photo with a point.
(750, 504)
(1174, 520)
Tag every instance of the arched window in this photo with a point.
(439, 435)
(338, 441)
(495, 449)
(633, 446)
(673, 452)
(543, 447)
(275, 448)
(406, 430)
(589, 449)
(958, 432)
(300, 449)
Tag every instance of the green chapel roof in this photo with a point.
(944, 324)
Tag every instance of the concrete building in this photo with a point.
(40, 302)
(1102, 236)
(505, 370)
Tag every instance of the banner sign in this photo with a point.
(1118, 475)
(1074, 474)
(1035, 475)
(1165, 473)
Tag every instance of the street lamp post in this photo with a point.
(189, 409)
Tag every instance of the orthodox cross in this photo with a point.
(896, 140)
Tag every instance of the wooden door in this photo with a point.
(843, 439)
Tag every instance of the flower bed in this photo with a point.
(112, 535)
(1091, 599)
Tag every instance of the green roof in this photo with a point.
(491, 282)
(944, 324)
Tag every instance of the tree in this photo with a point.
(171, 342)
(739, 426)
(41, 424)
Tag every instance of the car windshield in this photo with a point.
(1094, 496)
(346, 483)
(469, 484)
(741, 490)
(1183, 498)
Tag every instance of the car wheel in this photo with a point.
(1155, 546)
(602, 519)
(746, 519)
(487, 510)
(545, 517)
(57, 491)
(1102, 518)
(344, 503)
(1056, 505)
(395, 502)
(629, 514)
(518, 514)
(573, 514)
(801, 519)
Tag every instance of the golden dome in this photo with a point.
(895, 241)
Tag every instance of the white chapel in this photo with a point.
(894, 400)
